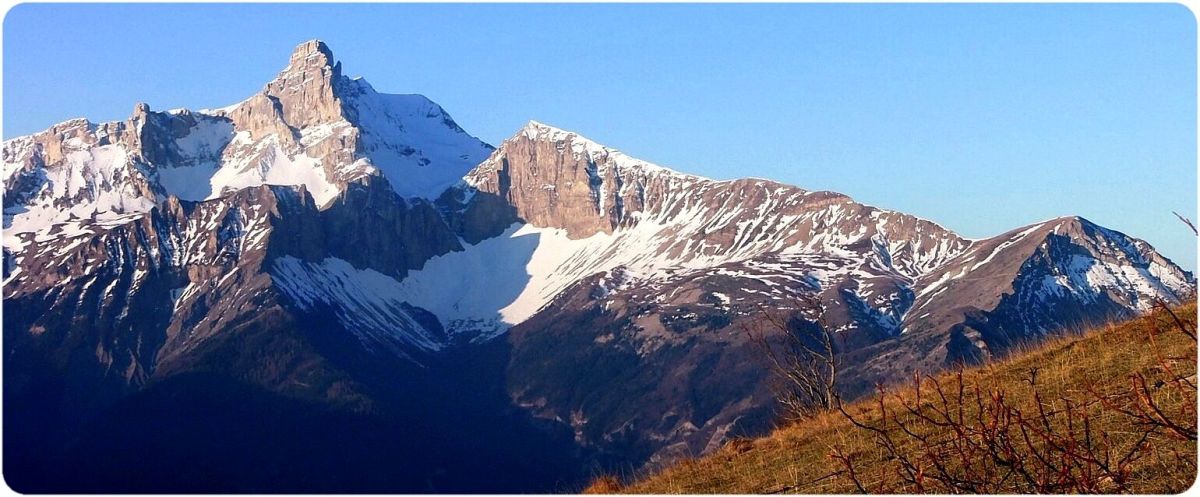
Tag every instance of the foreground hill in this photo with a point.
(1092, 376)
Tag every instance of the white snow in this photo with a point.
(365, 301)
(101, 176)
(188, 182)
(1088, 277)
(206, 139)
(201, 149)
(502, 281)
(505, 279)
(275, 167)
(408, 138)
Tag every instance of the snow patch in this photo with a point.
(365, 301)
(275, 167)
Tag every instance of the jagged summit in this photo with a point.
(315, 50)
(140, 110)
(306, 91)
(312, 55)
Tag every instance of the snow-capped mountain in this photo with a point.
(325, 242)
(593, 209)
(315, 136)
(639, 265)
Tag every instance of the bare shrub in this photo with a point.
(955, 435)
(799, 350)
(958, 437)
(1143, 401)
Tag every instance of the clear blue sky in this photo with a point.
(980, 117)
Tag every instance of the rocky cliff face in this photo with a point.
(323, 243)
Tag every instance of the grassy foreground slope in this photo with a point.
(1108, 410)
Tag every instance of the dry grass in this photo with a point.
(604, 485)
(1101, 433)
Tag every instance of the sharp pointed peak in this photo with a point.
(307, 89)
(140, 110)
(535, 124)
(312, 57)
(313, 48)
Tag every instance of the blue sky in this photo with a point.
(979, 117)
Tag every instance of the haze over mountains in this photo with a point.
(323, 287)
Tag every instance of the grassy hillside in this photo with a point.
(1108, 410)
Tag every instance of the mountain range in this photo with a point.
(327, 288)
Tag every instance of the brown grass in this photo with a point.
(1109, 410)
(605, 484)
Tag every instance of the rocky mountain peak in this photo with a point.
(573, 151)
(313, 58)
(140, 111)
(305, 91)
(558, 178)
(536, 130)
(310, 53)
(584, 148)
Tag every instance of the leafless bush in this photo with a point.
(799, 350)
(953, 435)
(1142, 402)
(957, 437)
